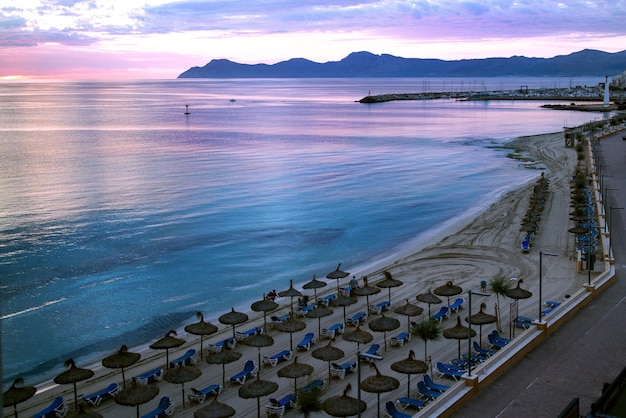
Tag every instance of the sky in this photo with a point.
(159, 39)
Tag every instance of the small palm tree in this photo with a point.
(427, 331)
(309, 402)
(500, 286)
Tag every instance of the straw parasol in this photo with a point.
(259, 340)
(291, 293)
(336, 275)
(388, 282)
(343, 405)
(120, 360)
(429, 299)
(448, 290)
(290, 325)
(167, 342)
(181, 375)
(458, 332)
(481, 318)
(223, 358)
(215, 410)
(384, 324)
(295, 370)
(319, 313)
(314, 284)
(72, 376)
(578, 230)
(366, 291)
(343, 301)
(517, 292)
(15, 394)
(409, 310)
(257, 388)
(81, 413)
(233, 318)
(136, 395)
(379, 383)
(358, 336)
(409, 366)
(264, 305)
(201, 328)
(328, 353)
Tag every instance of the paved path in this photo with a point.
(589, 350)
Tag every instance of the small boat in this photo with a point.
(187, 110)
(233, 100)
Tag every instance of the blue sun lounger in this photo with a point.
(273, 360)
(240, 336)
(229, 343)
(58, 408)
(483, 351)
(400, 339)
(448, 371)
(186, 359)
(315, 384)
(441, 314)
(380, 307)
(434, 386)
(166, 406)
(356, 318)
(151, 376)
(406, 402)
(278, 407)
(305, 344)
(97, 397)
(495, 342)
(332, 331)
(200, 395)
(341, 370)
(249, 369)
(372, 353)
(457, 304)
(393, 412)
(325, 301)
(425, 392)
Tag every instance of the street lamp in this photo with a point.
(541, 254)
(469, 328)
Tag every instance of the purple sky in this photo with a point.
(161, 38)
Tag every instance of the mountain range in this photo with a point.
(365, 64)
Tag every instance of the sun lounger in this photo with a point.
(372, 353)
(278, 407)
(340, 370)
(250, 369)
(525, 245)
(379, 307)
(425, 392)
(483, 351)
(495, 342)
(345, 291)
(356, 318)
(315, 384)
(240, 336)
(446, 370)
(97, 397)
(400, 339)
(200, 395)
(434, 386)
(187, 359)
(441, 314)
(229, 343)
(457, 304)
(153, 375)
(393, 412)
(277, 320)
(325, 301)
(305, 344)
(273, 360)
(305, 310)
(166, 406)
(499, 338)
(57, 408)
(551, 303)
(406, 402)
(522, 323)
(332, 331)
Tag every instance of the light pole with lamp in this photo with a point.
(469, 328)
(541, 254)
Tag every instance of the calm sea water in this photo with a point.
(120, 216)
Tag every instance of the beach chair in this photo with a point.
(277, 320)
(448, 370)
(400, 339)
(379, 307)
(187, 359)
(525, 245)
(372, 353)
(325, 301)
(340, 370)
(278, 407)
(523, 322)
(199, 396)
(57, 409)
(551, 303)
(345, 291)
(441, 314)
(434, 386)
(97, 397)
(273, 360)
(240, 336)
(406, 402)
(425, 392)
(315, 384)
(305, 344)
(393, 412)
(483, 351)
(305, 310)
(500, 338)
(217, 347)
(332, 331)
(495, 342)
(249, 369)
(166, 406)
(356, 318)
(151, 376)
(457, 304)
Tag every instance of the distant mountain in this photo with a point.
(364, 64)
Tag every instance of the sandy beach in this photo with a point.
(473, 251)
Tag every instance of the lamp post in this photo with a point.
(469, 328)
(541, 254)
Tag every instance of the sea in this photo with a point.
(121, 216)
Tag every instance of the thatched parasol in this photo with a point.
(215, 410)
(290, 325)
(366, 291)
(319, 313)
(344, 405)
(136, 395)
(379, 384)
(448, 290)
(259, 340)
(336, 275)
(223, 358)
(328, 353)
(257, 388)
(167, 342)
(429, 299)
(409, 310)
(295, 370)
(358, 336)
(81, 413)
(578, 230)
(314, 284)
(458, 332)
(15, 394)
(389, 282)
(264, 305)
(120, 360)
(201, 328)
(73, 375)
(181, 375)
(409, 366)
(343, 302)
(481, 318)
(518, 293)
(291, 293)
(384, 324)
(233, 318)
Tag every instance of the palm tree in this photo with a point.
(427, 331)
(500, 286)
(309, 402)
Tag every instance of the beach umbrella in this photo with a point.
(136, 395)
(314, 284)
(295, 370)
(181, 375)
(17, 394)
(319, 313)
(458, 332)
(409, 366)
(578, 230)
(384, 324)
(448, 290)
(264, 305)
(201, 328)
(343, 301)
(378, 384)
(72, 376)
(336, 275)
(257, 388)
(291, 293)
(215, 410)
(167, 342)
(358, 336)
(366, 291)
(328, 353)
(223, 357)
(81, 413)
(343, 405)
(429, 299)
(517, 292)
(233, 318)
(290, 325)
(259, 340)
(481, 318)
(388, 282)
(409, 310)
(120, 360)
